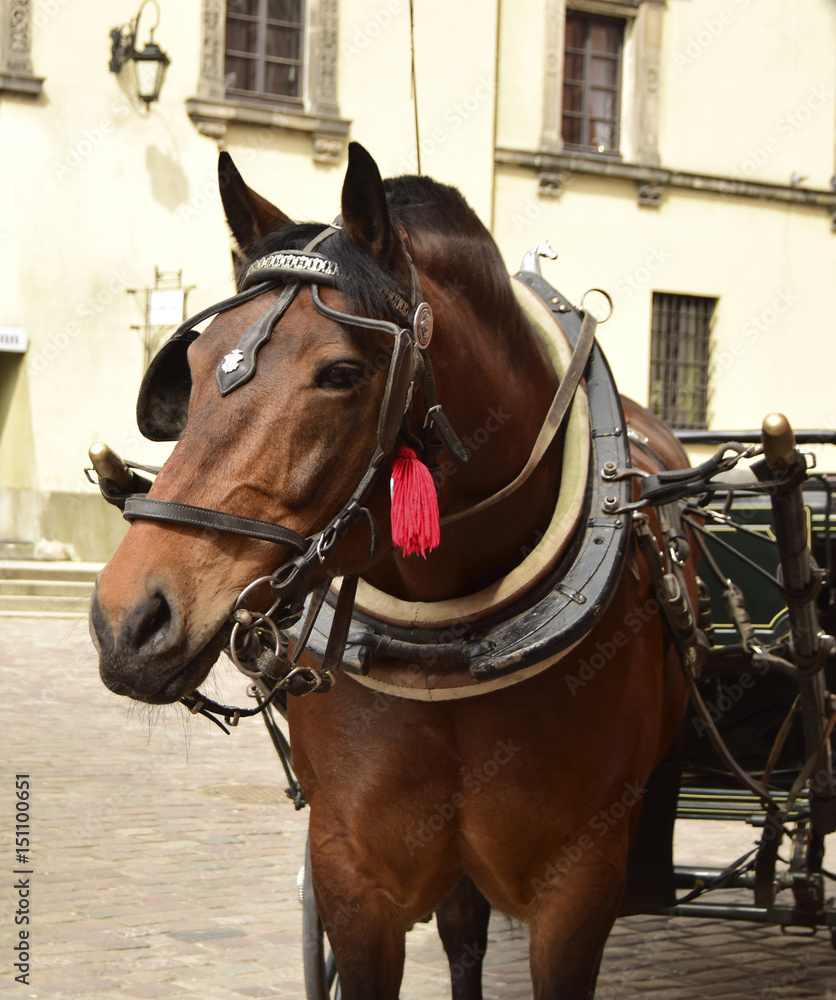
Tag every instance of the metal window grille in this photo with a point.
(592, 82)
(264, 48)
(679, 358)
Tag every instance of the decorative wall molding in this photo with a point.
(16, 72)
(609, 8)
(551, 139)
(211, 84)
(550, 183)
(647, 44)
(650, 194)
(212, 111)
(649, 179)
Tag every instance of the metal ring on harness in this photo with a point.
(606, 295)
(255, 619)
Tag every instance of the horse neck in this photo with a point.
(495, 383)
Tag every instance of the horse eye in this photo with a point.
(340, 376)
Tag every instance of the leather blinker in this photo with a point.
(162, 406)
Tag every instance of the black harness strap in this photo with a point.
(239, 366)
(214, 520)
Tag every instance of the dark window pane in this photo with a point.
(283, 42)
(241, 36)
(602, 104)
(603, 72)
(572, 97)
(604, 37)
(572, 130)
(573, 66)
(575, 31)
(284, 10)
(279, 78)
(271, 33)
(601, 134)
(240, 73)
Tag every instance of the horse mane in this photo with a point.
(450, 242)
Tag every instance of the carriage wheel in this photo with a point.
(321, 981)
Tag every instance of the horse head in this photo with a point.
(284, 435)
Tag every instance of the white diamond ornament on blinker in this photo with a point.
(232, 360)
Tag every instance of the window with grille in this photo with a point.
(592, 82)
(264, 46)
(679, 356)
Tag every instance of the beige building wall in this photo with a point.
(737, 203)
(100, 192)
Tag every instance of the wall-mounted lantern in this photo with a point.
(150, 63)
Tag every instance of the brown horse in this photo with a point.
(530, 792)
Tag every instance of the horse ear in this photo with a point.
(364, 209)
(250, 216)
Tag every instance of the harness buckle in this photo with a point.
(324, 543)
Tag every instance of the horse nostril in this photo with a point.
(154, 619)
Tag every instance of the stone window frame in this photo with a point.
(213, 110)
(644, 26)
(17, 75)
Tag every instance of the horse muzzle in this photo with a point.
(145, 654)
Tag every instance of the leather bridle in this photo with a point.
(409, 363)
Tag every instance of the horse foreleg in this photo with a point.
(572, 919)
(368, 942)
(462, 922)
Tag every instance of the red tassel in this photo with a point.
(415, 523)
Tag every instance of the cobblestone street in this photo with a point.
(165, 858)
